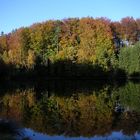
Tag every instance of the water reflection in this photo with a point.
(113, 136)
(10, 130)
(95, 112)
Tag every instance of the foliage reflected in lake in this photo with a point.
(73, 111)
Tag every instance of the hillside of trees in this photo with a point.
(72, 47)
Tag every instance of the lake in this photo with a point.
(70, 110)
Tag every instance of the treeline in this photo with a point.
(69, 47)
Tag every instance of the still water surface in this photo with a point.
(70, 110)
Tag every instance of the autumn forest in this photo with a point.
(73, 47)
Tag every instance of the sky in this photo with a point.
(21, 13)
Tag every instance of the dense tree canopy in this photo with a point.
(129, 59)
(80, 41)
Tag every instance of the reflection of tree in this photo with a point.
(79, 114)
(130, 96)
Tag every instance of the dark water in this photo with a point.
(71, 110)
